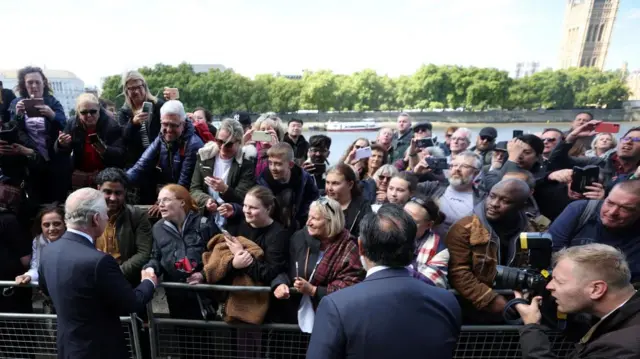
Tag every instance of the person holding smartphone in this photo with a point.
(94, 139)
(40, 117)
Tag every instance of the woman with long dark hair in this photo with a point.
(40, 118)
(342, 185)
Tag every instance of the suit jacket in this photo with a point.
(388, 315)
(89, 293)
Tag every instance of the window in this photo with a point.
(590, 33)
(600, 32)
(593, 61)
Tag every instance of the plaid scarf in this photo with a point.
(340, 267)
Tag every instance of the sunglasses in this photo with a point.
(548, 140)
(384, 178)
(88, 112)
(486, 138)
(325, 202)
(225, 145)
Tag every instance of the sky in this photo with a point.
(95, 39)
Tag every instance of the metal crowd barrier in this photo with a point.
(29, 335)
(182, 338)
(34, 335)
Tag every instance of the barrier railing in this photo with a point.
(28, 335)
(34, 334)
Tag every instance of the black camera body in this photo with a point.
(531, 265)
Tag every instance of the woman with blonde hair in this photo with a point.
(602, 143)
(324, 259)
(271, 124)
(94, 139)
(140, 127)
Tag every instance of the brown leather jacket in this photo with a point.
(473, 257)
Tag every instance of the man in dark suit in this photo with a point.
(87, 287)
(390, 314)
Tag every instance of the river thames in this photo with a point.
(341, 140)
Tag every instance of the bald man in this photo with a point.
(483, 240)
(87, 287)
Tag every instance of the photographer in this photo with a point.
(591, 279)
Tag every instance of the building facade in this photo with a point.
(66, 86)
(586, 33)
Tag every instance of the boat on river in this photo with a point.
(368, 124)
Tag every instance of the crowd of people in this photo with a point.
(199, 204)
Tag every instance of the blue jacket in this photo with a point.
(565, 233)
(388, 315)
(305, 191)
(182, 164)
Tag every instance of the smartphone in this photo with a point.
(261, 136)
(607, 127)
(583, 177)
(319, 168)
(30, 106)
(437, 163)
(10, 136)
(147, 107)
(93, 138)
(364, 152)
(517, 133)
(425, 142)
(227, 234)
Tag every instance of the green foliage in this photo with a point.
(430, 87)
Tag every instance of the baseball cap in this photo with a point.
(423, 125)
(489, 132)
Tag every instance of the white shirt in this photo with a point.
(376, 269)
(88, 237)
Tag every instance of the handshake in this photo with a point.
(150, 274)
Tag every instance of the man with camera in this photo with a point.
(593, 279)
(478, 243)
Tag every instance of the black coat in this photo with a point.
(107, 130)
(7, 97)
(132, 139)
(90, 293)
(617, 336)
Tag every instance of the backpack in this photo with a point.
(589, 211)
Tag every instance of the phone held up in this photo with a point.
(437, 163)
(147, 107)
(425, 142)
(364, 152)
(583, 177)
(517, 133)
(606, 127)
(30, 106)
(261, 136)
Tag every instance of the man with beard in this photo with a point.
(297, 141)
(294, 188)
(458, 198)
(623, 162)
(485, 143)
(479, 242)
(127, 237)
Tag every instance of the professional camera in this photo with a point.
(531, 264)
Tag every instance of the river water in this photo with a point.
(340, 141)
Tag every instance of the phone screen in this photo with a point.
(517, 133)
(146, 107)
(93, 138)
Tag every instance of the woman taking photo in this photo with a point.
(94, 139)
(50, 227)
(41, 123)
(342, 186)
(140, 127)
(323, 259)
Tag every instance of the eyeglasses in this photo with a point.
(223, 144)
(630, 139)
(89, 112)
(549, 140)
(461, 165)
(165, 200)
(135, 88)
(325, 202)
(384, 178)
(420, 130)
